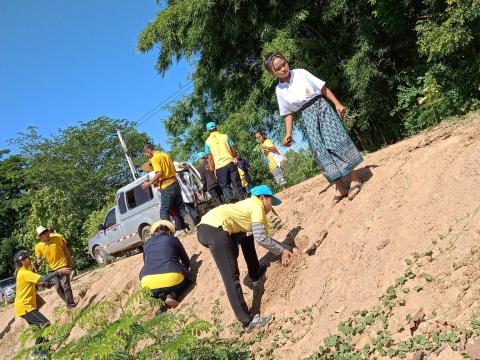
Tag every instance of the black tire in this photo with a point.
(146, 233)
(102, 257)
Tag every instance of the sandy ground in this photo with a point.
(418, 192)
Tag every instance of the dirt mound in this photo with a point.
(415, 223)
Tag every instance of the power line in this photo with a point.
(164, 101)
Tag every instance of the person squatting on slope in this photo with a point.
(166, 181)
(274, 157)
(53, 247)
(165, 264)
(300, 91)
(209, 180)
(222, 157)
(26, 304)
(224, 228)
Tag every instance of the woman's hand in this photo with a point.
(340, 110)
(286, 257)
(287, 140)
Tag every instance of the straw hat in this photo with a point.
(165, 223)
(40, 230)
(180, 166)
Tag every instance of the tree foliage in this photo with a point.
(381, 57)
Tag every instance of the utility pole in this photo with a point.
(127, 155)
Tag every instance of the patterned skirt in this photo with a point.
(333, 149)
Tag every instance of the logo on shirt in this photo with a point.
(308, 92)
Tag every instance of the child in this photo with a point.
(26, 305)
(334, 151)
(274, 157)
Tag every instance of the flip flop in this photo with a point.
(171, 302)
(352, 192)
(337, 199)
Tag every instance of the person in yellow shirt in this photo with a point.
(273, 156)
(165, 179)
(53, 248)
(26, 305)
(222, 157)
(224, 228)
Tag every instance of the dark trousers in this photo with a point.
(217, 195)
(171, 197)
(192, 210)
(36, 318)
(224, 249)
(178, 289)
(228, 178)
(64, 289)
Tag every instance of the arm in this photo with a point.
(146, 184)
(234, 154)
(67, 253)
(331, 96)
(211, 163)
(47, 277)
(261, 237)
(182, 254)
(288, 139)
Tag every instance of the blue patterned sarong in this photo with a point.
(333, 149)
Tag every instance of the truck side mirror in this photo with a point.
(101, 227)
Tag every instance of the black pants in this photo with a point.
(178, 289)
(64, 289)
(217, 195)
(228, 177)
(36, 318)
(224, 249)
(171, 197)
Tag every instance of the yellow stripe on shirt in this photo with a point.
(159, 281)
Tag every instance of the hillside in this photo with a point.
(421, 196)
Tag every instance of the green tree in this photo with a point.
(300, 166)
(74, 173)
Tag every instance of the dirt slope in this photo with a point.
(421, 194)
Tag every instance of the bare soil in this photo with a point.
(421, 194)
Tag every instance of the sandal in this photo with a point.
(354, 190)
(338, 198)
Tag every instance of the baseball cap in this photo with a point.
(200, 155)
(265, 190)
(20, 255)
(211, 125)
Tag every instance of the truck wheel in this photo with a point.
(146, 233)
(102, 257)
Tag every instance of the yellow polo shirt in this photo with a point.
(220, 146)
(238, 217)
(163, 162)
(160, 281)
(53, 251)
(26, 294)
(271, 161)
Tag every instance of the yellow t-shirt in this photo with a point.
(159, 281)
(163, 162)
(52, 251)
(26, 294)
(272, 164)
(238, 217)
(242, 177)
(219, 145)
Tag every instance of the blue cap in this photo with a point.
(211, 125)
(265, 190)
(200, 155)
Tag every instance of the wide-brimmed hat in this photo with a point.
(266, 191)
(211, 125)
(159, 223)
(180, 166)
(41, 230)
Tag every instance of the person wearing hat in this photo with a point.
(209, 180)
(165, 264)
(188, 188)
(26, 304)
(224, 228)
(222, 157)
(53, 248)
(166, 180)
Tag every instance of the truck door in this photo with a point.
(112, 232)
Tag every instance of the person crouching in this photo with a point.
(166, 264)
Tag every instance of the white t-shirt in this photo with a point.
(302, 88)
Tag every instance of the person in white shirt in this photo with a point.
(336, 154)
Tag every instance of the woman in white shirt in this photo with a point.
(334, 150)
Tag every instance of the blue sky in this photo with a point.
(64, 62)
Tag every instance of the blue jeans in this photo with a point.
(171, 197)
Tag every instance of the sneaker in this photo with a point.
(171, 302)
(261, 275)
(257, 323)
(72, 306)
